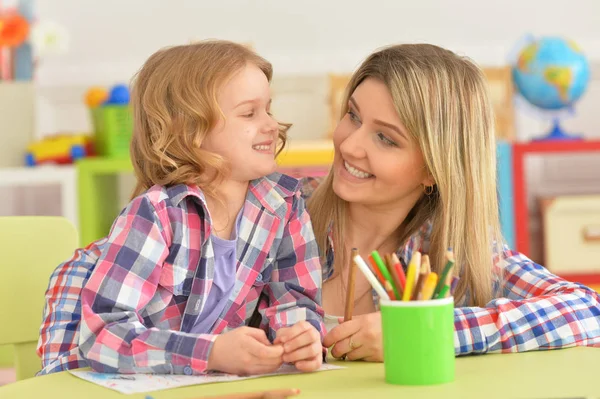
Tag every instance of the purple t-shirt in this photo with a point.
(223, 280)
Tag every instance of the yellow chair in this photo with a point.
(31, 248)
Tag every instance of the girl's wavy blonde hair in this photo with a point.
(174, 101)
(442, 100)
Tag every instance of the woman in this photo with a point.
(415, 169)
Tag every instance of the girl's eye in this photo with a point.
(386, 141)
(249, 115)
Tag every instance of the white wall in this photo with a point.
(111, 38)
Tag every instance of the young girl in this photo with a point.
(213, 245)
(415, 169)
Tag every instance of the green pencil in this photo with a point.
(444, 275)
(384, 271)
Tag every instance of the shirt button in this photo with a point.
(259, 277)
(187, 370)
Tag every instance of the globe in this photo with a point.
(551, 73)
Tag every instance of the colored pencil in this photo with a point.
(350, 288)
(362, 266)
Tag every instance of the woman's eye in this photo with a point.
(386, 141)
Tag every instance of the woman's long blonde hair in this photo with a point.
(174, 101)
(442, 100)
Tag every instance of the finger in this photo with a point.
(310, 364)
(361, 353)
(281, 332)
(307, 352)
(341, 348)
(341, 331)
(306, 338)
(258, 334)
(262, 351)
(287, 334)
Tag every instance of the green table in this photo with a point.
(566, 373)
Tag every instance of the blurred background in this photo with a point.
(65, 66)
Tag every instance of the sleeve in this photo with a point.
(125, 282)
(58, 342)
(537, 311)
(294, 291)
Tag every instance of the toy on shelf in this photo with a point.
(24, 40)
(111, 119)
(59, 149)
(552, 73)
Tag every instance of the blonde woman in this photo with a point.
(415, 169)
(213, 264)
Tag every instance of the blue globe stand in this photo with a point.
(558, 134)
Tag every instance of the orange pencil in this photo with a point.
(390, 290)
(429, 286)
(376, 270)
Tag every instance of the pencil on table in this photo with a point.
(274, 394)
(350, 288)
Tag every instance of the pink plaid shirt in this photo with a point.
(145, 284)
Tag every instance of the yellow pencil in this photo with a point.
(429, 286)
(411, 275)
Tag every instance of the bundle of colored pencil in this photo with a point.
(419, 283)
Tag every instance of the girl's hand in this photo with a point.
(301, 346)
(245, 351)
(358, 339)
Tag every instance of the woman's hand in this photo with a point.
(301, 346)
(358, 339)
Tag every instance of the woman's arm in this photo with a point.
(538, 310)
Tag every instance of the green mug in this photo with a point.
(418, 341)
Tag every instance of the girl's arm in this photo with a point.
(538, 311)
(294, 290)
(123, 286)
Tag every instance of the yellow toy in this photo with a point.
(59, 149)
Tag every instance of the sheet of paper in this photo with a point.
(140, 383)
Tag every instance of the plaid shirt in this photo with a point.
(146, 283)
(532, 308)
